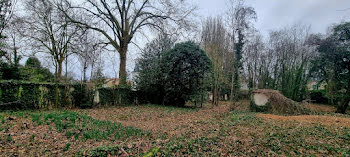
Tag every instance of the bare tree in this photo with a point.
(88, 49)
(239, 21)
(14, 43)
(253, 58)
(283, 61)
(48, 30)
(6, 12)
(214, 42)
(120, 20)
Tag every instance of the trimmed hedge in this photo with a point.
(120, 96)
(82, 96)
(28, 95)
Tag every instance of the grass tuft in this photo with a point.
(77, 125)
(101, 151)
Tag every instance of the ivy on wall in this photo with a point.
(29, 95)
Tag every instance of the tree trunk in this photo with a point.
(217, 95)
(233, 70)
(84, 73)
(345, 103)
(236, 86)
(122, 67)
(59, 71)
(92, 72)
(56, 89)
(215, 89)
(232, 94)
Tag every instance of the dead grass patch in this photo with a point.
(160, 119)
(320, 107)
(310, 119)
(208, 131)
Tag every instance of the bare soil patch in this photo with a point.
(158, 119)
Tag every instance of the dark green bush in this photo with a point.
(185, 67)
(172, 76)
(319, 96)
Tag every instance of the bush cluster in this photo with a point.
(321, 97)
(172, 76)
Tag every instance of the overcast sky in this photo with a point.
(272, 15)
(275, 14)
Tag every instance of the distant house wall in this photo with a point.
(315, 85)
(244, 86)
(109, 83)
(113, 82)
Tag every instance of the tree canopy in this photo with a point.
(333, 65)
(122, 20)
(185, 66)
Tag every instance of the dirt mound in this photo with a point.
(272, 101)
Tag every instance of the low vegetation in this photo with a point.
(152, 130)
(66, 127)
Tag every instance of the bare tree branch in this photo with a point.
(124, 18)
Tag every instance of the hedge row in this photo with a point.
(28, 95)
